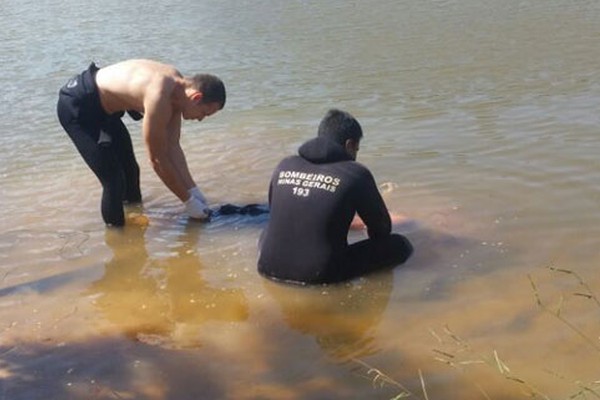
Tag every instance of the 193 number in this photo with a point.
(302, 192)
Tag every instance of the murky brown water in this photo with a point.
(481, 121)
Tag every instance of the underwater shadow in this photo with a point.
(445, 258)
(103, 368)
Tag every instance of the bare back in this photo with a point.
(123, 86)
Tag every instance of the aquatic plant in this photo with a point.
(460, 355)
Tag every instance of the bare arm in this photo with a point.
(178, 156)
(161, 135)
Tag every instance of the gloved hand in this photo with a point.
(196, 208)
(195, 192)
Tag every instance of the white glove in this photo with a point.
(196, 208)
(195, 192)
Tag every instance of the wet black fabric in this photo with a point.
(248, 209)
(313, 198)
(103, 141)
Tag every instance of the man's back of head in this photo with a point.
(339, 126)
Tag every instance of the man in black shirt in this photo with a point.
(313, 198)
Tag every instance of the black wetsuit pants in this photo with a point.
(358, 259)
(104, 143)
(371, 255)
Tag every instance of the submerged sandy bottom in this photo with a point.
(180, 313)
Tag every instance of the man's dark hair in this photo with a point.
(212, 88)
(339, 126)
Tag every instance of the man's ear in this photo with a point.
(197, 97)
(351, 145)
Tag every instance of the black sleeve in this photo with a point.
(270, 192)
(371, 208)
(272, 182)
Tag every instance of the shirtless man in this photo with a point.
(90, 108)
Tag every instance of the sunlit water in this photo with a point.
(480, 122)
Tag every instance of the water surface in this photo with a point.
(480, 122)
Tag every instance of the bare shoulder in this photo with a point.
(156, 67)
(124, 85)
(136, 70)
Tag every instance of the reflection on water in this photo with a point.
(163, 300)
(341, 320)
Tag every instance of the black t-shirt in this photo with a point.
(313, 198)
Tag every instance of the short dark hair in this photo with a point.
(212, 88)
(339, 126)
